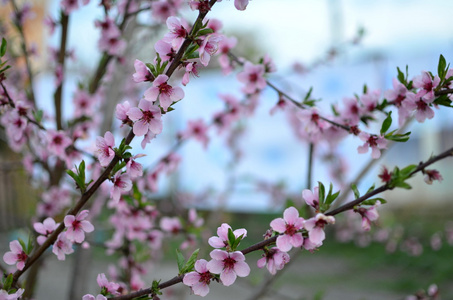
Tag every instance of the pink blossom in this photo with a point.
(427, 84)
(147, 118)
(133, 168)
(370, 100)
(199, 279)
(315, 227)
(221, 240)
(289, 226)
(311, 198)
(228, 265)
(194, 219)
(352, 111)
(62, 246)
(209, 47)
(45, 229)
(110, 287)
(418, 103)
(142, 73)
(241, 4)
(16, 256)
(312, 123)
(91, 297)
(374, 142)
(274, 259)
(166, 93)
(83, 103)
(57, 142)
(113, 45)
(253, 78)
(225, 45)
(431, 175)
(14, 296)
(105, 147)
(165, 50)
(396, 97)
(77, 226)
(178, 32)
(198, 130)
(121, 112)
(172, 225)
(154, 239)
(369, 215)
(163, 9)
(191, 68)
(121, 184)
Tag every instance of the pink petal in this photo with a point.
(215, 266)
(140, 128)
(228, 277)
(15, 247)
(216, 242)
(134, 114)
(200, 266)
(219, 254)
(191, 278)
(278, 225)
(242, 269)
(10, 258)
(297, 240)
(290, 215)
(151, 94)
(283, 243)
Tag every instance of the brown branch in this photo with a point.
(382, 188)
(58, 95)
(25, 53)
(73, 211)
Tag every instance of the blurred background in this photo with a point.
(334, 46)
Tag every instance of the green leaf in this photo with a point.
(231, 237)
(373, 201)
(443, 100)
(29, 245)
(38, 115)
(387, 123)
(402, 184)
(321, 192)
(370, 189)
(400, 76)
(355, 190)
(8, 281)
(181, 261)
(398, 137)
(204, 31)
(22, 243)
(441, 67)
(3, 48)
(155, 288)
(407, 170)
(237, 241)
(191, 262)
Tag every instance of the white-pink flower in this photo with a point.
(289, 226)
(110, 287)
(427, 84)
(418, 103)
(45, 229)
(209, 47)
(221, 240)
(253, 78)
(14, 296)
(229, 265)
(241, 4)
(311, 198)
(274, 260)
(147, 118)
(200, 279)
(374, 142)
(172, 225)
(369, 215)
(198, 130)
(57, 142)
(91, 297)
(165, 92)
(16, 256)
(105, 147)
(121, 183)
(77, 226)
(142, 73)
(62, 246)
(315, 227)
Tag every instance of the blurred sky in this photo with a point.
(397, 33)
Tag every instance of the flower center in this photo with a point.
(290, 229)
(228, 263)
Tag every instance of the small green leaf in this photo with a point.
(38, 115)
(236, 242)
(321, 192)
(355, 190)
(231, 237)
(181, 261)
(3, 48)
(8, 281)
(402, 184)
(407, 170)
(204, 31)
(191, 261)
(400, 76)
(387, 123)
(441, 67)
(398, 137)
(373, 201)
